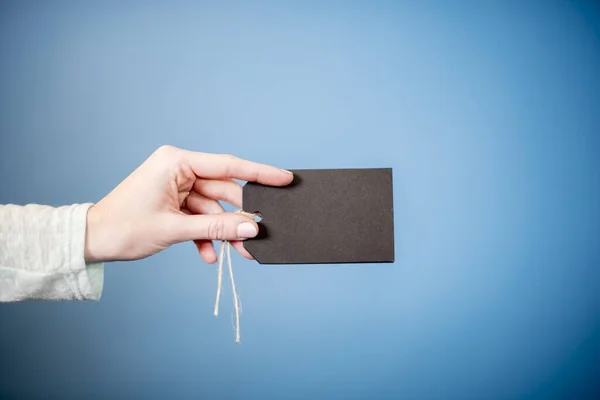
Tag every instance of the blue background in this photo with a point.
(488, 112)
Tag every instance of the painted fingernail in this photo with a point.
(286, 171)
(246, 230)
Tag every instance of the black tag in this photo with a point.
(324, 216)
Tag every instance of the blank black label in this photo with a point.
(324, 216)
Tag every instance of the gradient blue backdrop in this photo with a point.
(488, 114)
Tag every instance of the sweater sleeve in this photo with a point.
(42, 254)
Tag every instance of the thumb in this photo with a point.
(224, 226)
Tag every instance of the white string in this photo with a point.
(225, 245)
(219, 278)
(235, 296)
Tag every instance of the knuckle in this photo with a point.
(216, 229)
(230, 158)
(165, 149)
(231, 164)
(168, 153)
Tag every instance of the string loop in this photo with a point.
(226, 247)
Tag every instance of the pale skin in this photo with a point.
(173, 197)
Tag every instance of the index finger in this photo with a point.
(225, 166)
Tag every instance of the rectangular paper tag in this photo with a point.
(324, 216)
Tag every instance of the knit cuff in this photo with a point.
(87, 279)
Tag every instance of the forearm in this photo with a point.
(42, 254)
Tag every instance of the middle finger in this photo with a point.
(220, 189)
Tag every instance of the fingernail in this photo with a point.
(287, 172)
(246, 230)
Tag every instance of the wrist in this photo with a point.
(98, 239)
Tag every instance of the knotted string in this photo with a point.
(225, 245)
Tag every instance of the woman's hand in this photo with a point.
(171, 198)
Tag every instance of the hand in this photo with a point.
(171, 198)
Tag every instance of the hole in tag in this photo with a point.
(257, 216)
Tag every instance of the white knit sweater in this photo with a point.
(42, 254)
